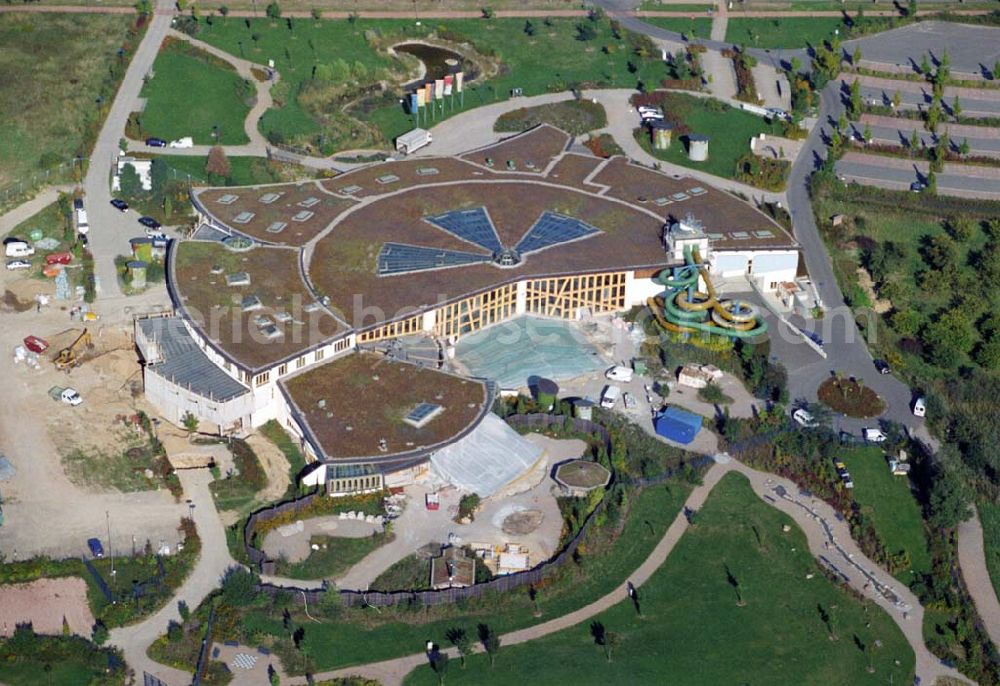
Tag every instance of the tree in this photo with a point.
(439, 663)
(218, 163)
(867, 134)
(183, 610)
(933, 116)
(925, 66)
(238, 587)
(144, 8)
(316, 13)
(273, 10)
(190, 422)
(159, 175)
(941, 253)
(948, 501)
(488, 12)
(529, 28)
(956, 107)
(224, 11)
(491, 642)
(932, 182)
(168, 206)
(988, 353)
(855, 103)
(963, 147)
(948, 337)
(585, 31)
(175, 632)
(65, 627)
(130, 183)
(462, 642)
(914, 141)
(856, 57)
(896, 100)
(961, 228)
(99, 633)
(996, 70)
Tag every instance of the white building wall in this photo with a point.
(638, 291)
(173, 402)
(766, 266)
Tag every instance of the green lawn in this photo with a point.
(54, 68)
(358, 636)
(412, 572)
(729, 129)
(782, 32)
(700, 27)
(244, 171)
(575, 117)
(887, 499)
(550, 60)
(989, 514)
(335, 556)
(191, 93)
(30, 659)
(693, 631)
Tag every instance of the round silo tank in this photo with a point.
(697, 147)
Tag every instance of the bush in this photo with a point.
(467, 506)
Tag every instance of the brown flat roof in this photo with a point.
(537, 147)
(350, 404)
(343, 264)
(218, 308)
(282, 214)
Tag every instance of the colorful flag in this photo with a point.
(438, 89)
(447, 84)
(429, 92)
(459, 77)
(421, 99)
(414, 103)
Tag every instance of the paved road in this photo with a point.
(111, 229)
(29, 209)
(917, 96)
(972, 561)
(810, 516)
(214, 560)
(897, 174)
(971, 48)
(899, 135)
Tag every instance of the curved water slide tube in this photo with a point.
(682, 309)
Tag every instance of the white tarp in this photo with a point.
(487, 459)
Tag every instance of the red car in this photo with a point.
(58, 258)
(36, 344)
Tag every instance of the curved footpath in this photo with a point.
(827, 535)
(972, 562)
(212, 563)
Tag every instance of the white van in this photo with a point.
(19, 249)
(919, 407)
(82, 227)
(610, 396)
(619, 373)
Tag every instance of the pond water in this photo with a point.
(438, 61)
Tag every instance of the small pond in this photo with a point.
(438, 61)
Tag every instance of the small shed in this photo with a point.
(452, 569)
(137, 273)
(698, 147)
(677, 425)
(661, 133)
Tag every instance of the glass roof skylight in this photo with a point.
(473, 226)
(553, 229)
(399, 258)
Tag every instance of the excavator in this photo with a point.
(72, 355)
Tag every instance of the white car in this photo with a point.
(70, 397)
(873, 435)
(919, 407)
(156, 234)
(649, 116)
(803, 418)
(18, 264)
(643, 109)
(619, 373)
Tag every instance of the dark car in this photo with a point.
(156, 143)
(119, 204)
(814, 338)
(96, 549)
(150, 222)
(883, 367)
(77, 203)
(84, 241)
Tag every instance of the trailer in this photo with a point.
(411, 141)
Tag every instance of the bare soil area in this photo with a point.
(45, 603)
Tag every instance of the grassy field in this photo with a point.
(989, 514)
(54, 68)
(237, 491)
(410, 573)
(335, 556)
(193, 92)
(244, 171)
(730, 131)
(784, 32)
(694, 629)
(552, 59)
(887, 499)
(29, 659)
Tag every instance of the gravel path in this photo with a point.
(972, 561)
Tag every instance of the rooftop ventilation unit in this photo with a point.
(311, 201)
(350, 190)
(276, 227)
(423, 413)
(387, 179)
(244, 217)
(304, 215)
(227, 199)
(251, 303)
(238, 279)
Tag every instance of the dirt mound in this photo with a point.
(12, 302)
(522, 523)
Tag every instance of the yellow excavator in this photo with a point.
(72, 355)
